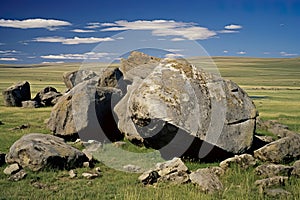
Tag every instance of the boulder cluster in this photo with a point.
(168, 105)
(19, 95)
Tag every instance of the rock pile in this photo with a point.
(19, 95)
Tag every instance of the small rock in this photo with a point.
(276, 193)
(266, 139)
(283, 150)
(270, 170)
(90, 175)
(98, 170)
(1, 123)
(206, 180)
(119, 144)
(86, 164)
(72, 173)
(12, 169)
(39, 185)
(273, 181)
(77, 141)
(217, 171)
(149, 177)
(170, 166)
(245, 161)
(296, 169)
(18, 176)
(173, 170)
(132, 168)
(176, 178)
(30, 104)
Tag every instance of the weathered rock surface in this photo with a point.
(73, 78)
(176, 105)
(244, 161)
(277, 193)
(274, 127)
(47, 96)
(12, 169)
(173, 170)
(30, 104)
(296, 169)
(270, 170)
(86, 110)
(283, 150)
(40, 151)
(270, 182)
(138, 65)
(18, 175)
(15, 94)
(206, 180)
(110, 77)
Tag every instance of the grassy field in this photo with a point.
(273, 84)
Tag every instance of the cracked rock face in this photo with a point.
(176, 104)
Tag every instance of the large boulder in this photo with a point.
(73, 78)
(86, 112)
(47, 96)
(177, 107)
(15, 94)
(285, 149)
(40, 151)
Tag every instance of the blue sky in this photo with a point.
(73, 31)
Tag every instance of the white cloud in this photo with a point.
(88, 55)
(173, 55)
(75, 40)
(177, 39)
(93, 25)
(228, 31)
(8, 59)
(225, 51)
(50, 24)
(190, 31)
(266, 53)
(233, 27)
(58, 62)
(2, 43)
(241, 52)
(8, 52)
(174, 50)
(283, 53)
(82, 31)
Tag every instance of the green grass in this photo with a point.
(273, 84)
